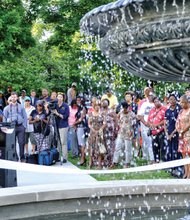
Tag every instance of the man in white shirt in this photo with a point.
(146, 139)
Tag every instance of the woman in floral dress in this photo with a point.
(96, 123)
(110, 131)
(183, 128)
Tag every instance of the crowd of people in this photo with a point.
(106, 132)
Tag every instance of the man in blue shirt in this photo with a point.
(15, 113)
(62, 113)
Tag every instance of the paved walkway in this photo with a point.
(34, 178)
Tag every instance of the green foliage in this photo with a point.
(65, 16)
(15, 31)
(35, 69)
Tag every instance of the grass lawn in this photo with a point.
(160, 174)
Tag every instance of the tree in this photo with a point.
(15, 30)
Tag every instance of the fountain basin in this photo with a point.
(40, 200)
(150, 39)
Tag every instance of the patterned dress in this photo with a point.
(172, 144)
(110, 134)
(182, 122)
(95, 138)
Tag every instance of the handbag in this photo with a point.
(102, 148)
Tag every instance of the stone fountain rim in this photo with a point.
(24, 200)
(108, 7)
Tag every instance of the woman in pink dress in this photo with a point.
(183, 128)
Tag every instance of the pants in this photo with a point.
(63, 136)
(159, 148)
(172, 149)
(20, 135)
(72, 141)
(147, 146)
(123, 145)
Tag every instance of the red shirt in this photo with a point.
(155, 117)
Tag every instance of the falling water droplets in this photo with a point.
(156, 5)
(174, 4)
(183, 11)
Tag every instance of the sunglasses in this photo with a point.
(27, 100)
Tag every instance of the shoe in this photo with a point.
(112, 166)
(169, 170)
(133, 164)
(64, 161)
(25, 155)
(83, 163)
(185, 176)
(98, 167)
(176, 173)
(127, 165)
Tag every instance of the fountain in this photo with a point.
(148, 38)
(151, 39)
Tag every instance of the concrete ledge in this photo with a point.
(31, 201)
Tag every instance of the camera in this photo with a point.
(52, 105)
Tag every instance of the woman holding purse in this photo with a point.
(96, 140)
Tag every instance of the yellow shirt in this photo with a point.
(112, 99)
